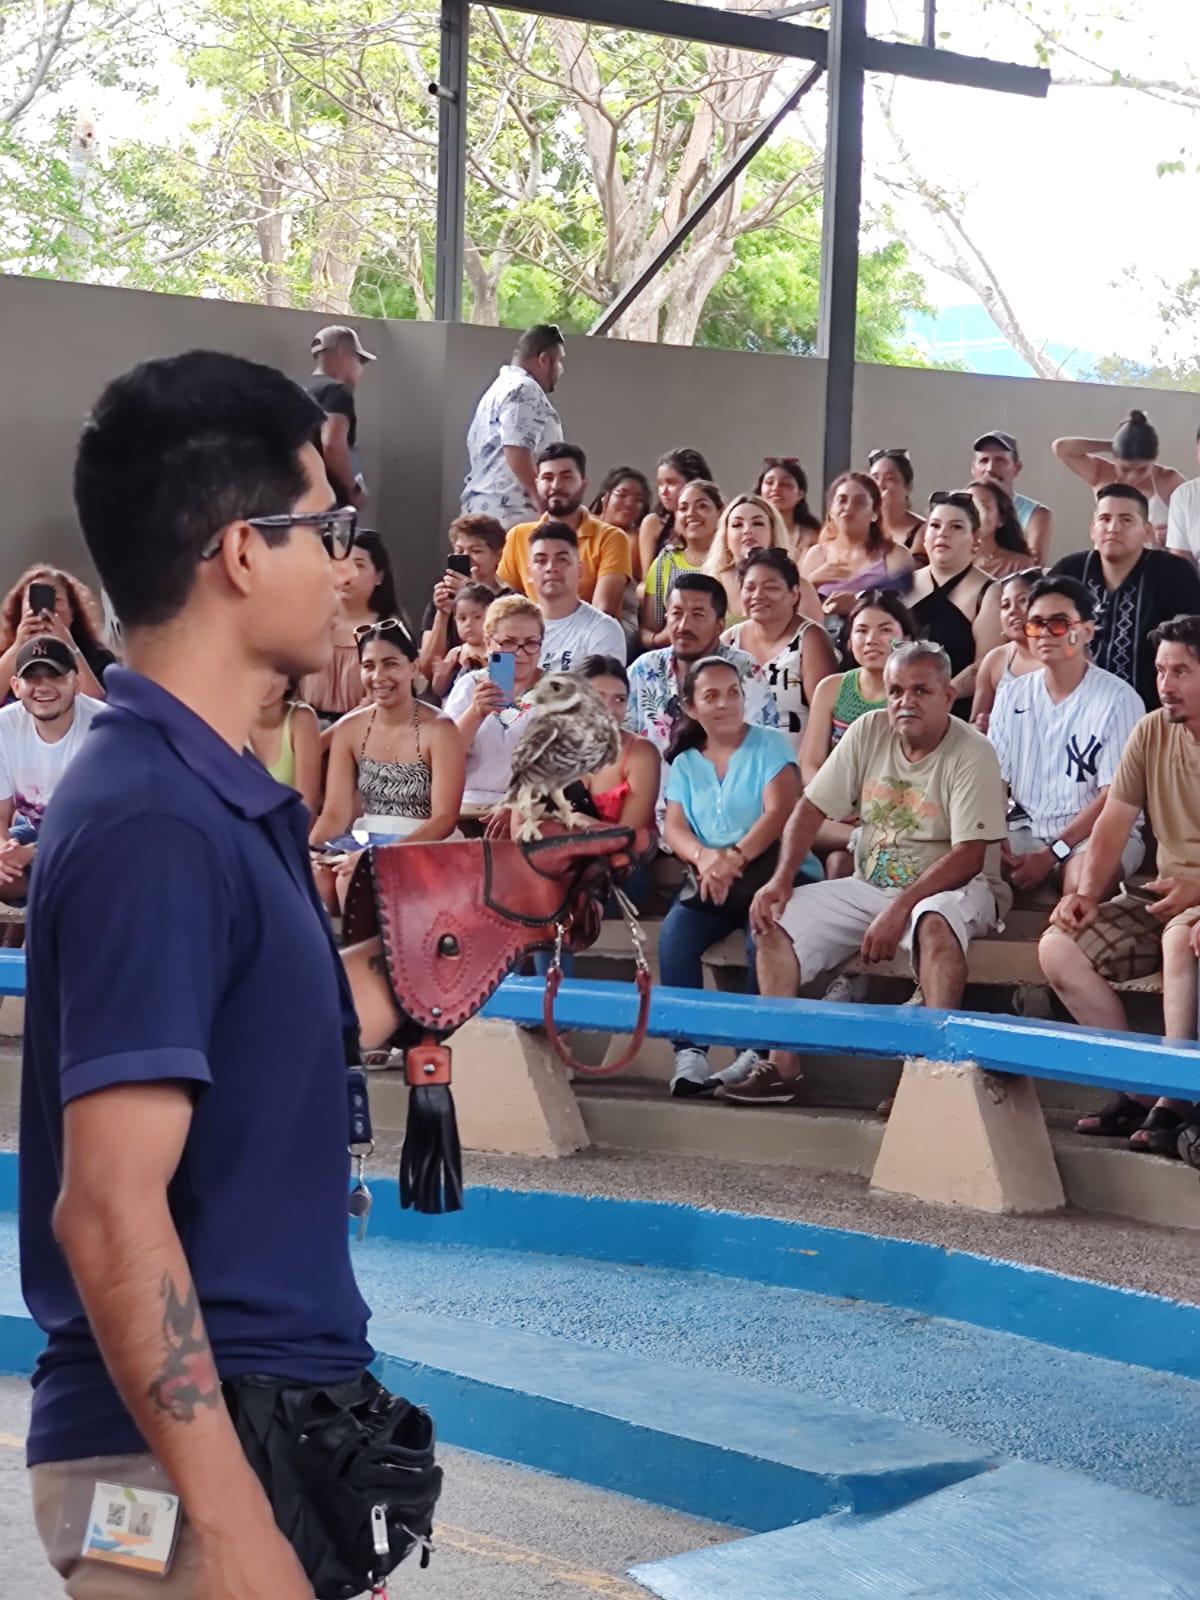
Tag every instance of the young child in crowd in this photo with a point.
(470, 607)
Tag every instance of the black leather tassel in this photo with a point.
(431, 1159)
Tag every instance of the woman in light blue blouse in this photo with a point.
(730, 790)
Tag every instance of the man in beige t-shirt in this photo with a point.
(930, 797)
(1092, 945)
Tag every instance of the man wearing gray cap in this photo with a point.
(996, 459)
(340, 360)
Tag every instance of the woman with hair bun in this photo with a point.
(1130, 456)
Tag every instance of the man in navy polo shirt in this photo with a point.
(183, 1113)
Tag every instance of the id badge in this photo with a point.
(134, 1528)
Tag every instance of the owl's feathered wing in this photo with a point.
(557, 748)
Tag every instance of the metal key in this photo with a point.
(360, 1198)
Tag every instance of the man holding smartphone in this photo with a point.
(184, 1110)
(1091, 943)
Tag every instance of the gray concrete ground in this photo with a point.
(503, 1534)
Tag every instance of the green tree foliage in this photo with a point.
(302, 169)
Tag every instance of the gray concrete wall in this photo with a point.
(621, 401)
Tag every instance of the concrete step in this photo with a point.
(1018, 1533)
(1101, 1175)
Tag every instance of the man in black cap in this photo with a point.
(340, 360)
(997, 459)
(40, 735)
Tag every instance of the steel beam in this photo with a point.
(736, 30)
(838, 317)
(451, 91)
(688, 225)
(945, 66)
(930, 24)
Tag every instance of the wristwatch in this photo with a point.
(1060, 850)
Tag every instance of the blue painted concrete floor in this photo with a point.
(1123, 1425)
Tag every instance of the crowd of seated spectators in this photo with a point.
(853, 738)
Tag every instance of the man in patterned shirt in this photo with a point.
(695, 617)
(1133, 586)
(513, 423)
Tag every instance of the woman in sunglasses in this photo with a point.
(893, 474)
(952, 601)
(366, 591)
(1000, 550)
(784, 484)
(1013, 657)
(396, 764)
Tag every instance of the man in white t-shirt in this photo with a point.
(1059, 734)
(40, 735)
(1183, 518)
(574, 628)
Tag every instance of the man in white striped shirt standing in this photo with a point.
(1059, 734)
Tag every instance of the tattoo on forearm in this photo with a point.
(188, 1379)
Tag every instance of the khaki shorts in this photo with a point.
(1125, 941)
(62, 1502)
(826, 921)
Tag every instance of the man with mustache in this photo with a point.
(1093, 943)
(926, 865)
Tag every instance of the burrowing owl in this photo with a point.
(570, 734)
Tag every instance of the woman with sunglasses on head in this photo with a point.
(395, 765)
(854, 553)
(697, 518)
(892, 472)
(1013, 657)
(952, 601)
(878, 623)
(365, 591)
(489, 719)
(674, 472)
(1000, 549)
(783, 483)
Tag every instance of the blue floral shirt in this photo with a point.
(514, 411)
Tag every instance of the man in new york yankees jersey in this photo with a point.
(1059, 734)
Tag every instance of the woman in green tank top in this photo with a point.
(878, 622)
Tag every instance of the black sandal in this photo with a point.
(1117, 1120)
(1161, 1128)
(1187, 1141)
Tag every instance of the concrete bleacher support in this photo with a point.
(962, 1137)
(513, 1093)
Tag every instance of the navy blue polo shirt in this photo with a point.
(174, 933)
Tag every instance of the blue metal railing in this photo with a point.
(1136, 1061)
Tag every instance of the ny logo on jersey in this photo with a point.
(1082, 764)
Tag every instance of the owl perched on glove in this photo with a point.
(569, 734)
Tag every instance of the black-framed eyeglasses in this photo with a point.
(961, 498)
(336, 528)
(892, 453)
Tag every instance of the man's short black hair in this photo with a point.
(537, 340)
(172, 452)
(701, 583)
(1179, 630)
(1070, 589)
(562, 452)
(1124, 491)
(560, 531)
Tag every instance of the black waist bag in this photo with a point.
(349, 1472)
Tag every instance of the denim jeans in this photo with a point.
(686, 933)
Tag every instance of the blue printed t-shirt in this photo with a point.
(174, 934)
(720, 812)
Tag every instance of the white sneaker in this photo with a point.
(739, 1069)
(846, 989)
(916, 998)
(693, 1075)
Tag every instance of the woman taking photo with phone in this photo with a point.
(490, 706)
(46, 601)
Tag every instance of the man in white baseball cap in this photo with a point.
(340, 362)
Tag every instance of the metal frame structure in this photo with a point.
(846, 52)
